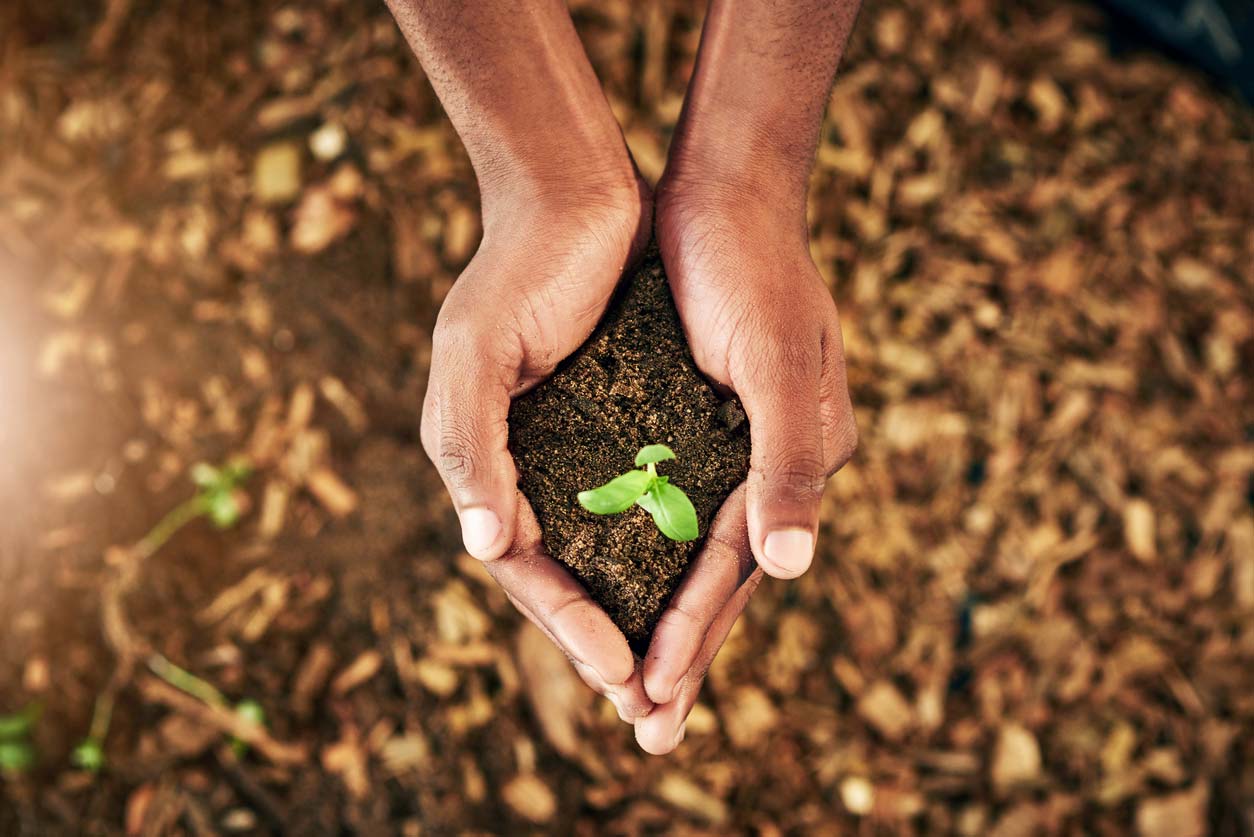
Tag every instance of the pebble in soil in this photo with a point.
(632, 383)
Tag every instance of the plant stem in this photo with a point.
(175, 519)
(101, 717)
(652, 469)
(185, 681)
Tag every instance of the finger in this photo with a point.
(661, 730)
(840, 432)
(549, 596)
(465, 432)
(780, 392)
(629, 698)
(723, 565)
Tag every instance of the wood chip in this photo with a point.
(359, 671)
(1016, 758)
(557, 696)
(276, 173)
(315, 669)
(347, 759)
(883, 707)
(1178, 815)
(530, 798)
(332, 492)
(1138, 529)
(681, 792)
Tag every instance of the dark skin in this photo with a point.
(729, 214)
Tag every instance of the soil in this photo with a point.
(633, 383)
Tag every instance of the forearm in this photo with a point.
(758, 94)
(517, 86)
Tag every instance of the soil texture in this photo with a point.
(633, 383)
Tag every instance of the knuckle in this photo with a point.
(801, 476)
(457, 457)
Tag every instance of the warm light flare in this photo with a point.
(15, 357)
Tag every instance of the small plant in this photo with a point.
(217, 497)
(88, 755)
(247, 710)
(17, 754)
(671, 509)
(252, 712)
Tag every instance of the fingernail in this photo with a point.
(480, 528)
(790, 551)
(679, 736)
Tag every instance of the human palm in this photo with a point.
(532, 293)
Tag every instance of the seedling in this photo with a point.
(671, 509)
(17, 755)
(247, 710)
(217, 497)
(251, 712)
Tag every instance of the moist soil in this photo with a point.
(633, 383)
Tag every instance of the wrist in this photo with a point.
(605, 198)
(755, 201)
(744, 171)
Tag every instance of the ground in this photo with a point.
(225, 229)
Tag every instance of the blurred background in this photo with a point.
(225, 230)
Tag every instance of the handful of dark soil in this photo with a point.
(633, 383)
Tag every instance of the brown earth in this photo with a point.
(633, 383)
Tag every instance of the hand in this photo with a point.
(762, 324)
(533, 292)
(758, 318)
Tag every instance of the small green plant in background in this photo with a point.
(252, 712)
(671, 509)
(247, 710)
(217, 497)
(17, 754)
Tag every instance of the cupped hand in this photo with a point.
(541, 278)
(762, 324)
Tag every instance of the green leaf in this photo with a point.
(672, 511)
(616, 495)
(237, 472)
(19, 725)
(89, 756)
(224, 509)
(205, 475)
(653, 453)
(16, 757)
(251, 711)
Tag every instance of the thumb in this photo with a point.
(786, 473)
(465, 433)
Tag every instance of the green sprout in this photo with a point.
(88, 755)
(671, 509)
(247, 710)
(17, 754)
(217, 498)
(252, 712)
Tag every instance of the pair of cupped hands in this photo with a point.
(760, 322)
